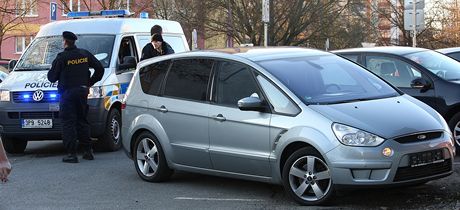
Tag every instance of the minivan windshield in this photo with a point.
(43, 50)
(441, 65)
(328, 79)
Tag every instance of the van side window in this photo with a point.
(152, 76)
(395, 71)
(234, 82)
(127, 48)
(188, 79)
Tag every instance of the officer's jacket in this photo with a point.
(71, 69)
(149, 52)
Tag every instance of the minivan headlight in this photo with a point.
(354, 137)
(95, 92)
(4, 95)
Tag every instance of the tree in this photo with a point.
(12, 15)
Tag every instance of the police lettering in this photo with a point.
(77, 61)
(40, 85)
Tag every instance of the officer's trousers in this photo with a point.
(73, 113)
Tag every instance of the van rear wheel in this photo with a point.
(14, 146)
(111, 139)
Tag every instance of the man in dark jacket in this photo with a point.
(71, 69)
(149, 50)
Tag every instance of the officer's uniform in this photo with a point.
(71, 69)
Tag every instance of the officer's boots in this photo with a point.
(88, 154)
(70, 158)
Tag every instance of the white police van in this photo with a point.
(29, 103)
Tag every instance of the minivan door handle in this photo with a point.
(163, 109)
(220, 118)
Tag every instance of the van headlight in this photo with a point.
(354, 137)
(95, 92)
(4, 95)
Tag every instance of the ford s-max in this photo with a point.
(306, 119)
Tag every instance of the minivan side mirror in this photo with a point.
(251, 104)
(420, 83)
(129, 62)
(11, 65)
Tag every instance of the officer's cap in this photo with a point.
(69, 35)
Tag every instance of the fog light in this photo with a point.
(387, 152)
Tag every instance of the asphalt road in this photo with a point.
(41, 181)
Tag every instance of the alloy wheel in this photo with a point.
(147, 157)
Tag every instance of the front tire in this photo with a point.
(454, 125)
(307, 178)
(14, 146)
(111, 139)
(149, 159)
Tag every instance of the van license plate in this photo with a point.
(37, 123)
(426, 158)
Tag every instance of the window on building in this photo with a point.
(26, 8)
(22, 42)
(70, 6)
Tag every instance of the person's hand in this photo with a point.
(5, 170)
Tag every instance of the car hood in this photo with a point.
(387, 118)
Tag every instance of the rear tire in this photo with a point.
(14, 146)
(111, 139)
(454, 125)
(307, 178)
(149, 159)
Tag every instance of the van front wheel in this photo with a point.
(111, 139)
(14, 146)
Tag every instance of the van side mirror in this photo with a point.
(11, 65)
(129, 62)
(251, 104)
(420, 83)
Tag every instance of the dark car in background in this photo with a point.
(427, 75)
(453, 52)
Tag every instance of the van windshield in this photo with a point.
(43, 50)
(328, 80)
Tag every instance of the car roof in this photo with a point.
(449, 50)
(112, 26)
(395, 50)
(270, 53)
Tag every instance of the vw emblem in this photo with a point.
(421, 137)
(38, 95)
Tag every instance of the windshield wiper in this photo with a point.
(32, 69)
(357, 100)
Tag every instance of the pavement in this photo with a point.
(40, 180)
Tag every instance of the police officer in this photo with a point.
(71, 69)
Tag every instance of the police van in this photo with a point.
(29, 103)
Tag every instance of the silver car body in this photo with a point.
(253, 145)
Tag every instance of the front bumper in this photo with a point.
(367, 166)
(11, 115)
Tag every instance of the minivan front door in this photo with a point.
(239, 140)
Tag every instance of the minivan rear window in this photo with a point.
(328, 79)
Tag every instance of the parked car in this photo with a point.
(424, 74)
(3, 69)
(453, 52)
(306, 119)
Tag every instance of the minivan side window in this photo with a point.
(353, 58)
(152, 76)
(234, 82)
(188, 79)
(280, 102)
(395, 71)
(455, 56)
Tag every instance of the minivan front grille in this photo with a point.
(409, 173)
(27, 97)
(39, 115)
(419, 137)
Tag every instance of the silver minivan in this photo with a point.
(306, 119)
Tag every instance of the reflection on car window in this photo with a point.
(152, 76)
(234, 82)
(395, 71)
(44, 50)
(280, 102)
(314, 79)
(441, 65)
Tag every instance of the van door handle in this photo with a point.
(220, 118)
(163, 109)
